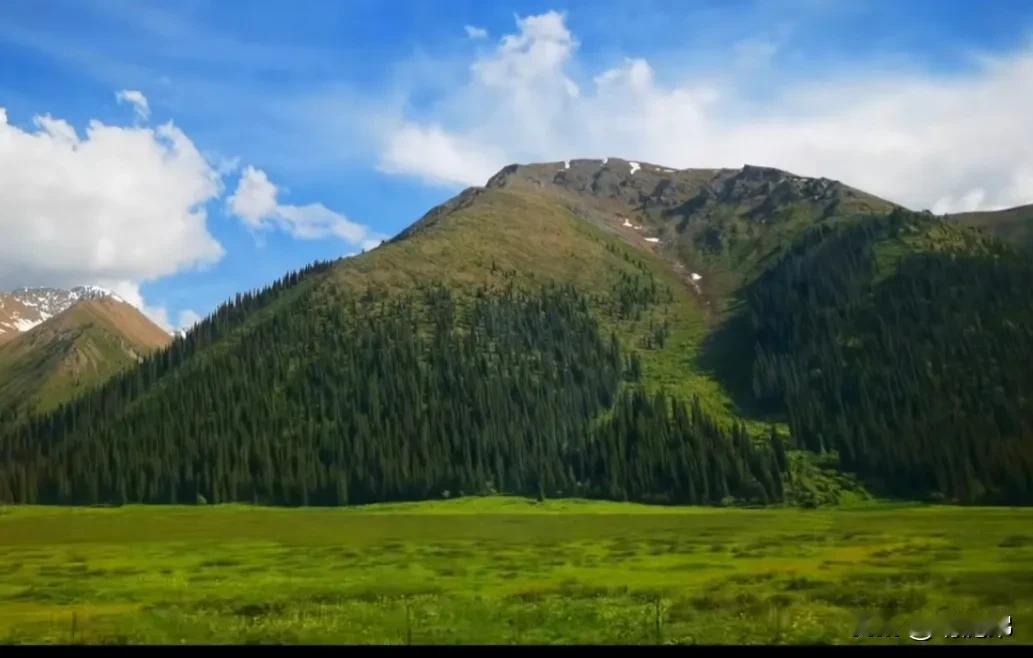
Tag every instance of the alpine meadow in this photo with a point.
(592, 401)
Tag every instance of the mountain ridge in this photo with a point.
(23, 308)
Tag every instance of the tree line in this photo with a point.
(306, 394)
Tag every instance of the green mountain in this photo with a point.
(72, 352)
(605, 329)
(902, 343)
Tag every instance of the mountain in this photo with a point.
(610, 329)
(92, 335)
(1014, 225)
(721, 223)
(24, 308)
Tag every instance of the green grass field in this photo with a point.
(507, 570)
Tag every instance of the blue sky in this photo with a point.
(347, 120)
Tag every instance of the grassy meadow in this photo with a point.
(508, 570)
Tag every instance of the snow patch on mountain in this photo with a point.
(25, 308)
(25, 325)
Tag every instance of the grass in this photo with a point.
(505, 570)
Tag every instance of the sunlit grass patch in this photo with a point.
(558, 571)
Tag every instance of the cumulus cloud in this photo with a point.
(255, 203)
(255, 198)
(137, 100)
(947, 142)
(532, 60)
(116, 207)
(474, 32)
(439, 156)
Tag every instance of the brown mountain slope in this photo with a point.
(73, 351)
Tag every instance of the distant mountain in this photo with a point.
(612, 329)
(1014, 225)
(92, 335)
(24, 308)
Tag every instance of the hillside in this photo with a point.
(601, 329)
(73, 351)
(901, 344)
(1014, 225)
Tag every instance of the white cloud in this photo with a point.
(438, 156)
(137, 100)
(255, 203)
(474, 32)
(115, 207)
(954, 141)
(533, 59)
(188, 318)
(255, 198)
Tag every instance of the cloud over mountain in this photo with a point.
(255, 203)
(117, 206)
(946, 141)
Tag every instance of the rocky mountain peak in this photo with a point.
(24, 308)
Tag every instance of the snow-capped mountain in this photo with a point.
(24, 308)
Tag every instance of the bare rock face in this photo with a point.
(758, 193)
(633, 184)
(646, 186)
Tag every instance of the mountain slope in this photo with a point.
(501, 235)
(72, 351)
(902, 344)
(1014, 225)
